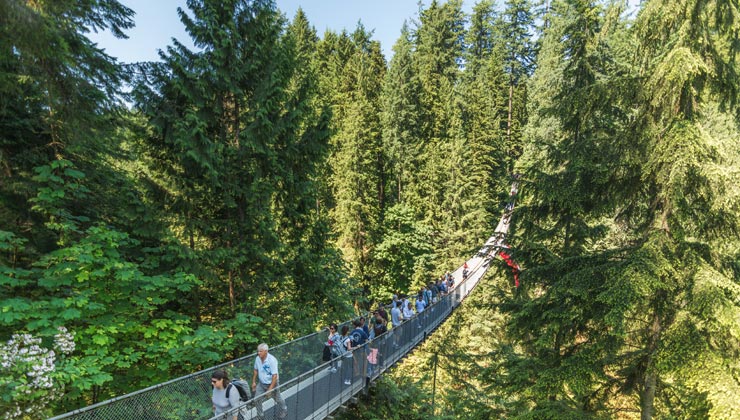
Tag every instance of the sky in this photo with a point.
(157, 23)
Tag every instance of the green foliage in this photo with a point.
(393, 399)
(515, 34)
(238, 154)
(109, 302)
(351, 85)
(400, 119)
(259, 170)
(404, 254)
(614, 308)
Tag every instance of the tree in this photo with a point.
(439, 40)
(619, 261)
(517, 22)
(236, 138)
(567, 166)
(687, 61)
(400, 119)
(65, 256)
(405, 253)
(354, 69)
(480, 169)
(316, 267)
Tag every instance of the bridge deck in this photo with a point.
(310, 390)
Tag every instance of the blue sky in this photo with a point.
(157, 23)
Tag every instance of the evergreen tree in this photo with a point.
(687, 60)
(623, 246)
(310, 257)
(57, 95)
(236, 136)
(400, 118)
(567, 166)
(357, 161)
(517, 24)
(200, 149)
(439, 42)
(482, 164)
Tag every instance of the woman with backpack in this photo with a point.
(334, 344)
(222, 404)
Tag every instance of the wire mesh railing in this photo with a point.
(309, 388)
(320, 391)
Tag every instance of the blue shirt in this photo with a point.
(358, 336)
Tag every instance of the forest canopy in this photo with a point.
(161, 217)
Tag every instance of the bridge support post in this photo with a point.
(434, 380)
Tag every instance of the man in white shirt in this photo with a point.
(265, 381)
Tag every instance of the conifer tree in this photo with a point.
(570, 151)
(357, 160)
(311, 260)
(481, 107)
(400, 117)
(200, 144)
(517, 25)
(687, 60)
(439, 42)
(621, 253)
(236, 137)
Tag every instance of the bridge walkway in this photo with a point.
(310, 389)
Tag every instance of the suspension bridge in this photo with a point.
(308, 386)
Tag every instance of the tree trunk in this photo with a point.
(647, 396)
(650, 378)
(232, 298)
(399, 187)
(195, 293)
(510, 117)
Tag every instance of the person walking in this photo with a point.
(265, 381)
(382, 312)
(408, 311)
(396, 316)
(380, 326)
(334, 343)
(364, 326)
(348, 350)
(220, 381)
(396, 320)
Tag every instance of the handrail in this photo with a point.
(188, 397)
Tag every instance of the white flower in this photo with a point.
(24, 360)
(64, 341)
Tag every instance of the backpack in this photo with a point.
(346, 352)
(337, 347)
(242, 387)
(326, 355)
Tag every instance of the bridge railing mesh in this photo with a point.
(320, 391)
(309, 388)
